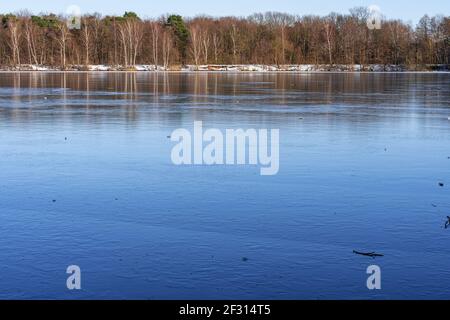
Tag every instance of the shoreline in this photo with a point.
(225, 72)
(375, 68)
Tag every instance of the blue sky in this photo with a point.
(407, 10)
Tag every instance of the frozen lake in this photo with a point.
(86, 179)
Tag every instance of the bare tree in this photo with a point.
(329, 34)
(280, 21)
(14, 29)
(125, 44)
(167, 45)
(196, 43)
(86, 38)
(205, 42)
(97, 37)
(216, 43)
(233, 35)
(30, 34)
(63, 37)
(137, 34)
(131, 33)
(156, 30)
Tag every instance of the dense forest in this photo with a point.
(271, 38)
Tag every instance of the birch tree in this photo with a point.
(155, 31)
(196, 43)
(13, 26)
(166, 48)
(86, 38)
(62, 38)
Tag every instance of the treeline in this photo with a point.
(270, 38)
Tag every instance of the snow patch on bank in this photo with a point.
(230, 68)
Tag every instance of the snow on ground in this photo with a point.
(228, 68)
(39, 68)
(98, 67)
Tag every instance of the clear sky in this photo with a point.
(410, 10)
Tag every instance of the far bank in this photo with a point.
(237, 68)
